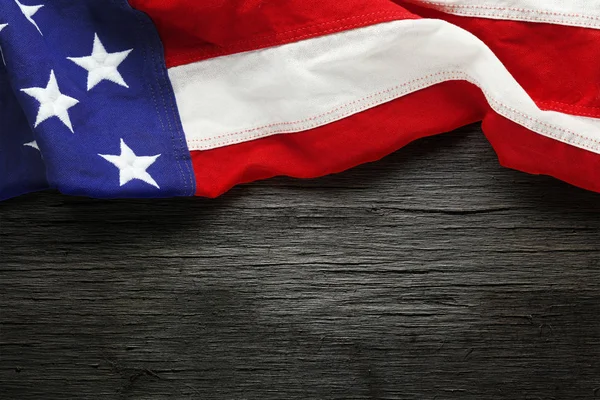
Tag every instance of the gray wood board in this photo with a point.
(432, 274)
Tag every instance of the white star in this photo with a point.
(2, 26)
(29, 12)
(33, 145)
(132, 166)
(102, 65)
(52, 102)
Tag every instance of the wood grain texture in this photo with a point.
(432, 274)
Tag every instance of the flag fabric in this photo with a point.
(154, 98)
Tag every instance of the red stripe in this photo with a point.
(557, 65)
(526, 151)
(361, 138)
(193, 30)
(371, 135)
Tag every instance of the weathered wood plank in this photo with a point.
(432, 274)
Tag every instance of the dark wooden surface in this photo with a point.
(432, 274)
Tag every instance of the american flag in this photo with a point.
(155, 98)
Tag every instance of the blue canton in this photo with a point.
(86, 105)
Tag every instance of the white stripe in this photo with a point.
(307, 84)
(584, 13)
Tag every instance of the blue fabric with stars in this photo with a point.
(85, 82)
(21, 167)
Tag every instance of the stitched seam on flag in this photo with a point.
(186, 179)
(150, 84)
(156, 104)
(310, 27)
(548, 133)
(567, 106)
(535, 128)
(429, 80)
(183, 148)
(173, 130)
(530, 19)
(341, 107)
(525, 10)
(306, 28)
(378, 101)
(192, 56)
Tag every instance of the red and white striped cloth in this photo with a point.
(310, 87)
